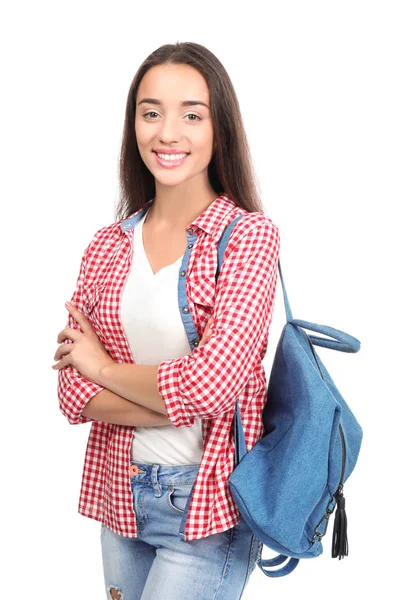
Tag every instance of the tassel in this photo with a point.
(340, 546)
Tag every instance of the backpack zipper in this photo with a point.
(340, 486)
(339, 540)
(335, 495)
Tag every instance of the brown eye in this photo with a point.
(152, 112)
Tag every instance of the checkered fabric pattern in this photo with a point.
(203, 384)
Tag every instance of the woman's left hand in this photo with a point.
(87, 354)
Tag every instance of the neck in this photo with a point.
(170, 211)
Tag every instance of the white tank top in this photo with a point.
(155, 332)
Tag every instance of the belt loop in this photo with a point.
(154, 481)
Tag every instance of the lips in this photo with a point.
(168, 163)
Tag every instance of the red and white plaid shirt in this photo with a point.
(203, 384)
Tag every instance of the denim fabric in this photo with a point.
(159, 564)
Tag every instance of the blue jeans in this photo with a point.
(159, 564)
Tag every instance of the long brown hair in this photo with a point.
(230, 169)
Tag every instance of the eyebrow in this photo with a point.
(184, 103)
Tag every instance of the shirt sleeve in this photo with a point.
(207, 382)
(74, 390)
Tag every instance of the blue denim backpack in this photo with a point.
(287, 486)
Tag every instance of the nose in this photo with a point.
(170, 130)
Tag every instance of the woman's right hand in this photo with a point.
(207, 332)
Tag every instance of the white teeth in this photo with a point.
(171, 157)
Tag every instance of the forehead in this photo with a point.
(173, 83)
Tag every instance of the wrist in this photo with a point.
(103, 373)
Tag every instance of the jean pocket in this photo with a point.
(177, 497)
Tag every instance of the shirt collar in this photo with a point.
(209, 220)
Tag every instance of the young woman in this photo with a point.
(141, 361)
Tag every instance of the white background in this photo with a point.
(318, 86)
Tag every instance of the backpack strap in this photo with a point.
(278, 560)
(223, 242)
(240, 443)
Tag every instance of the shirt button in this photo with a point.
(182, 273)
(190, 246)
(185, 309)
(195, 343)
(190, 230)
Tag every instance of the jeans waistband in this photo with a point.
(163, 474)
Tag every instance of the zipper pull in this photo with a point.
(340, 547)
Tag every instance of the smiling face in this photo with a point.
(164, 123)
